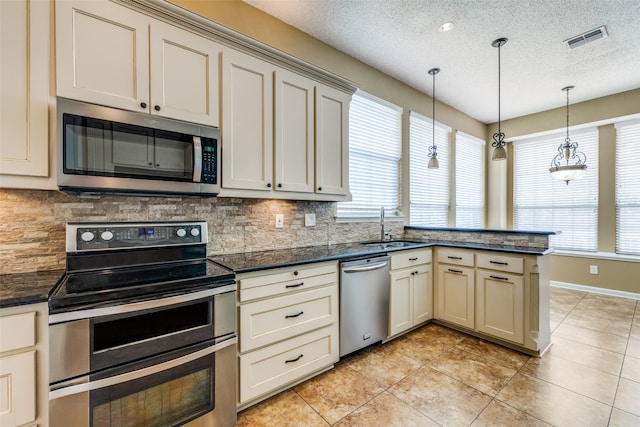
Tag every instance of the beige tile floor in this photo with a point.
(437, 376)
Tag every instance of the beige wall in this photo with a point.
(619, 275)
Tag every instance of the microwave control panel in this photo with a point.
(209, 161)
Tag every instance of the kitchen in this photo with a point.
(34, 220)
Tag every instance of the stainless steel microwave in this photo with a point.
(102, 149)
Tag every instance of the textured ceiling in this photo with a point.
(402, 39)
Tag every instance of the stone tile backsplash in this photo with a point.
(32, 223)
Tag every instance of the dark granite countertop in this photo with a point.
(31, 288)
(263, 260)
(27, 288)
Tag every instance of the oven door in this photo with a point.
(194, 389)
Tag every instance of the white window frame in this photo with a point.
(544, 204)
(627, 187)
(429, 189)
(469, 181)
(374, 169)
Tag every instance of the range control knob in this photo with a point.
(87, 236)
(181, 232)
(195, 232)
(106, 235)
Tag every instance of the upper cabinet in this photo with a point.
(284, 135)
(24, 85)
(111, 55)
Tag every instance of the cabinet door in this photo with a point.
(102, 54)
(247, 122)
(456, 295)
(400, 302)
(184, 77)
(332, 141)
(500, 305)
(294, 156)
(24, 85)
(18, 389)
(422, 294)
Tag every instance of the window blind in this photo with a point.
(542, 203)
(628, 188)
(469, 181)
(428, 188)
(374, 157)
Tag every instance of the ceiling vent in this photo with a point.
(588, 37)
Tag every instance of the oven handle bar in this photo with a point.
(138, 306)
(130, 376)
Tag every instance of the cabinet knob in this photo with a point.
(295, 273)
(157, 108)
(319, 188)
(143, 104)
(269, 185)
(279, 185)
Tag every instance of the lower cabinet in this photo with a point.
(23, 361)
(288, 327)
(411, 293)
(497, 295)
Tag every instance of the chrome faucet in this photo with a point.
(383, 234)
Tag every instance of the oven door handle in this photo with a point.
(137, 306)
(130, 376)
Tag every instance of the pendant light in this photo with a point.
(433, 155)
(569, 163)
(499, 152)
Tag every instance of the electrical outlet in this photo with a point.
(279, 220)
(593, 269)
(310, 220)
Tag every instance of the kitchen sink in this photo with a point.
(390, 244)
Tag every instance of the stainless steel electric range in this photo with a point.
(142, 329)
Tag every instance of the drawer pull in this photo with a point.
(454, 257)
(289, 316)
(499, 262)
(455, 271)
(499, 277)
(413, 259)
(294, 360)
(297, 285)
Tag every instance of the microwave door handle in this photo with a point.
(197, 159)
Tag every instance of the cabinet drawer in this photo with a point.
(491, 261)
(456, 257)
(283, 281)
(267, 321)
(18, 389)
(17, 331)
(269, 368)
(408, 258)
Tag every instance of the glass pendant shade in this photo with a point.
(499, 153)
(569, 163)
(433, 163)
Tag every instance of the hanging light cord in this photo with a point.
(567, 89)
(433, 113)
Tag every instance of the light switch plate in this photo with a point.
(279, 220)
(310, 220)
(593, 269)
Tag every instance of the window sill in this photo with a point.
(598, 255)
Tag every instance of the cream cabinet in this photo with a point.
(111, 55)
(24, 93)
(288, 327)
(332, 141)
(501, 296)
(284, 135)
(411, 292)
(23, 361)
(456, 286)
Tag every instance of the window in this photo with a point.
(628, 188)
(544, 204)
(428, 188)
(374, 157)
(469, 181)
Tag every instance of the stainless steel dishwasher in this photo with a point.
(364, 303)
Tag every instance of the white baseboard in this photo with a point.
(594, 290)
